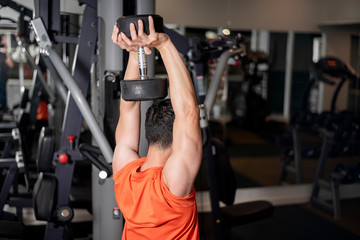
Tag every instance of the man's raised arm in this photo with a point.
(182, 167)
(127, 134)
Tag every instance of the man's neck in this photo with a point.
(156, 157)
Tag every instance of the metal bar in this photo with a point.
(17, 7)
(335, 198)
(39, 73)
(327, 144)
(336, 94)
(7, 125)
(7, 162)
(288, 74)
(197, 72)
(216, 79)
(41, 9)
(142, 63)
(297, 154)
(323, 204)
(21, 77)
(63, 39)
(110, 58)
(12, 172)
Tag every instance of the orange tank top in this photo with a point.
(150, 210)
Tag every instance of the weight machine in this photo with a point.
(76, 109)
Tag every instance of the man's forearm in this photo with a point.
(129, 120)
(131, 73)
(132, 69)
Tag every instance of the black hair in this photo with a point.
(159, 123)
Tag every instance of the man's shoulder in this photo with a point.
(128, 167)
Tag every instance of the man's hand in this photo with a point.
(140, 38)
(118, 38)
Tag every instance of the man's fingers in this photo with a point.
(115, 33)
(125, 38)
(151, 25)
(127, 43)
(133, 33)
(141, 27)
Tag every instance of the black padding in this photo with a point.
(247, 212)
(123, 23)
(143, 90)
(23, 125)
(44, 196)
(45, 150)
(24, 99)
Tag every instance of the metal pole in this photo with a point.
(216, 79)
(288, 73)
(106, 224)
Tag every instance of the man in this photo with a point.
(5, 61)
(156, 193)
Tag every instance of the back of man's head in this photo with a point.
(159, 124)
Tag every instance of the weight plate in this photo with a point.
(144, 90)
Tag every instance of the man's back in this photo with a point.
(151, 211)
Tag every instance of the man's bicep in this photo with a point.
(128, 129)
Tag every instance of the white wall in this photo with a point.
(275, 15)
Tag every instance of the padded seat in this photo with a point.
(243, 213)
(45, 189)
(44, 196)
(45, 150)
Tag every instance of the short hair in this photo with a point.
(159, 124)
